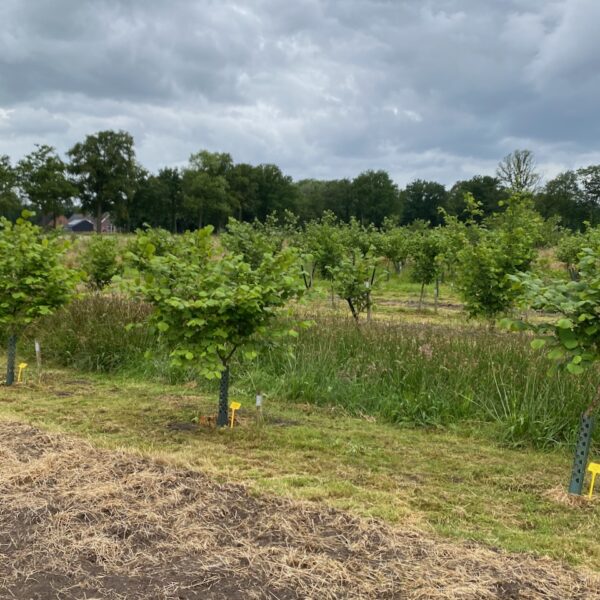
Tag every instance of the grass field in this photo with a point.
(418, 441)
(456, 483)
(82, 522)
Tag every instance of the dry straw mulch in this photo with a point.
(79, 522)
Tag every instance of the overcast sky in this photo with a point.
(438, 89)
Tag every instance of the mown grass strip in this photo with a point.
(454, 482)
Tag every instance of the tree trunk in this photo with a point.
(352, 309)
(369, 307)
(223, 398)
(173, 219)
(99, 219)
(421, 296)
(437, 293)
(573, 273)
(11, 359)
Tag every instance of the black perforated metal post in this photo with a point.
(222, 418)
(10, 359)
(584, 441)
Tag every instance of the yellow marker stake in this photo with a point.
(594, 469)
(22, 367)
(234, 406)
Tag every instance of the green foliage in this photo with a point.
(106, 173)
(353, 280)
(394, 244)
(100, 261)
(504, 245)
(573, 339)
(485, 190)
(10, 205)
(568, 249)
(43, 178)
(422, 200)
(253, 240)
(158, 200)
(147, 244)
(356, 237)
(33, 278)
(320, 246)
(375, 197)
(427, 252)
(207, 193)
(207, 306)
(571, 245)
(431, 376)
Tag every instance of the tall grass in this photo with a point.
(91, 333)
(425, 375)
(105, 332)
(430, 375)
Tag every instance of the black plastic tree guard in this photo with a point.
(11, 359)
(223, 415)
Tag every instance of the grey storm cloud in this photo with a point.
(437, 89)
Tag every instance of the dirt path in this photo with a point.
(77, 522)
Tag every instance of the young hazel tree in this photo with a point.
(209, 306)
(101, 261)
(34, 281)
(427, 253)
(573, 338)
(353, 280)
(503, 245)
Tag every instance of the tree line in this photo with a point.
(102, 174)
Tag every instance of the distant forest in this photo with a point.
(101, 174)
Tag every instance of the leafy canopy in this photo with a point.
(503, 245)
(572, 340)
(209, 304)
(101, 261)
(34, 280)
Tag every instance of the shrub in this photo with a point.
(100, 261)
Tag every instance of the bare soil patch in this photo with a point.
(78, 522)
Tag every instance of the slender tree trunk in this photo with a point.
(369, 306)
(332, 297)
(421, 296)
(99, 219)
(352, 309)
(573, 273)
(222, 418)
(437, 292)
(173, 218)
(307, 282)
(11, 359)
